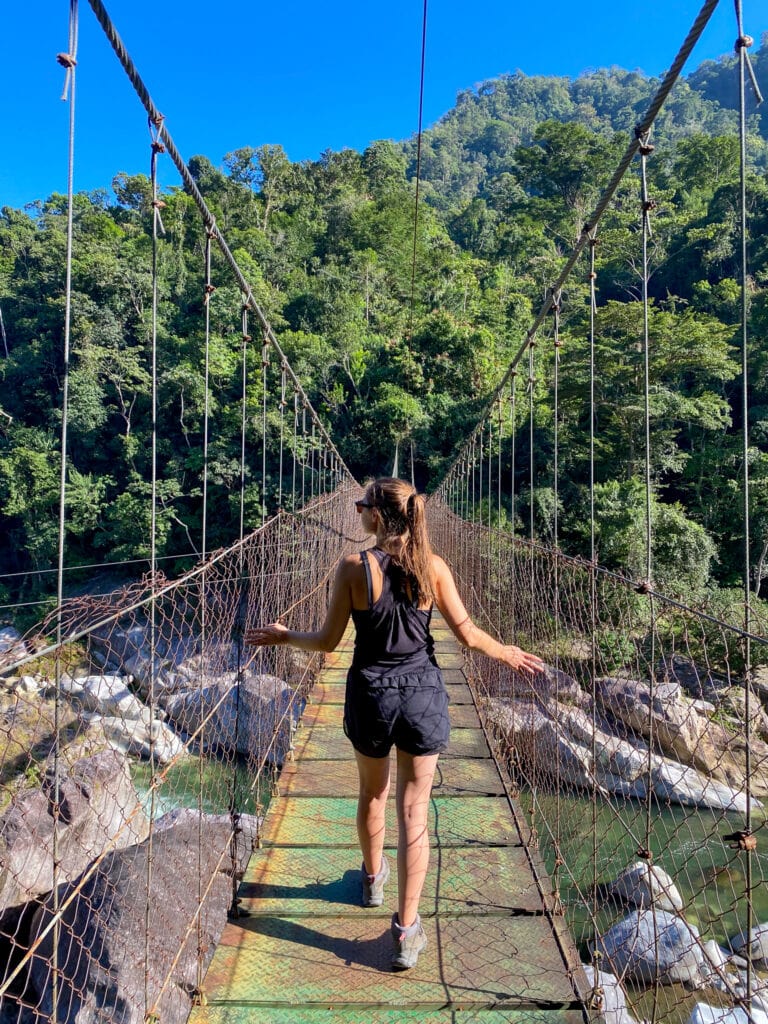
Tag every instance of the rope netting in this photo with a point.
(640, 758)
(139, 740)
(169, 738)
(637, 797)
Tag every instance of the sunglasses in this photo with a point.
(360, 505)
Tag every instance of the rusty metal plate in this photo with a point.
(455, 776)
(330, 821)
(472, 961)
(297, 882)
(249, 1014)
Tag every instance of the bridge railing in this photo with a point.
(132, 793)
(640, 760)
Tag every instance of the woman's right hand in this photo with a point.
(273, 635)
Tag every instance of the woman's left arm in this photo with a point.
(332, 630)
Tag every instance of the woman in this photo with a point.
(395, 693)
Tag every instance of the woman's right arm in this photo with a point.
(468, 634)
(327, 637)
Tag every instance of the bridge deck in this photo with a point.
(307, 953)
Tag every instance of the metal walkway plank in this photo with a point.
(295, 882)
(330, 821)
(379, 1015)
(331, 960)
(455, 776)
(304, 951)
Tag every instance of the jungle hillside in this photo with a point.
(399, 339)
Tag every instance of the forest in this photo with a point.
(399, 339)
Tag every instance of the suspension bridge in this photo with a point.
(178, 810)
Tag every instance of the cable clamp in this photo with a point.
(743, 841)
(646, 149)
(649, 204)
(592, 276)
(742, 43)
(66, 60)
(159, 204)
(643, 587)
(644, 853)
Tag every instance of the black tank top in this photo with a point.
(393, 632)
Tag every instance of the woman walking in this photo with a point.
(395, 694)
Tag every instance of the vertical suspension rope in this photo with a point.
(68, 60)
(743, 42)
(208, 289)
(557, 906)
(156, 148)
(512, 497)
(531, 530)
(295, 448)
(234, 789)
(647, 205)
(593, 555)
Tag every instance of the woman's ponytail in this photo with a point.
(403, 515)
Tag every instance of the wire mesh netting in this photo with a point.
(641, 762)
(134, 790)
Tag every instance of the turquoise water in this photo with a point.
(688, 843)
(182, 782)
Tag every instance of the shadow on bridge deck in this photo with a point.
(307, 953)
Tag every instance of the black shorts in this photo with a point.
(408, 711)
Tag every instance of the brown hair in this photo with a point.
(403, 516)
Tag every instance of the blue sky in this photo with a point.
(306, 75)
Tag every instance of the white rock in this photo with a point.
(753, 945)
(651, 945)
(705, 1014)
(642, 885)
(132, 736)
(614, 1008)
(686, 786)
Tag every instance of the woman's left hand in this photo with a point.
(522, 661)
(275, 634)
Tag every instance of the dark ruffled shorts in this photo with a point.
(408, 711)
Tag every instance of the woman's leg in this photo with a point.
(371, 806)
(414, 785)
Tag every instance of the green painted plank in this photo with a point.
(217, 1014)
(455, 776)
(472, 961)
(298, 882)
(330, 821)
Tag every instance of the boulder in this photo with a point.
(138, 737)
(697, 681)
(705, 1014)
(256, 718)
(642, 885)
(99, 809)
(613, 1008)
(753, 945)
(105, 694)
(680, 784)
(12, 647)
(104, 944)
(651, 946)
(683, 733)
